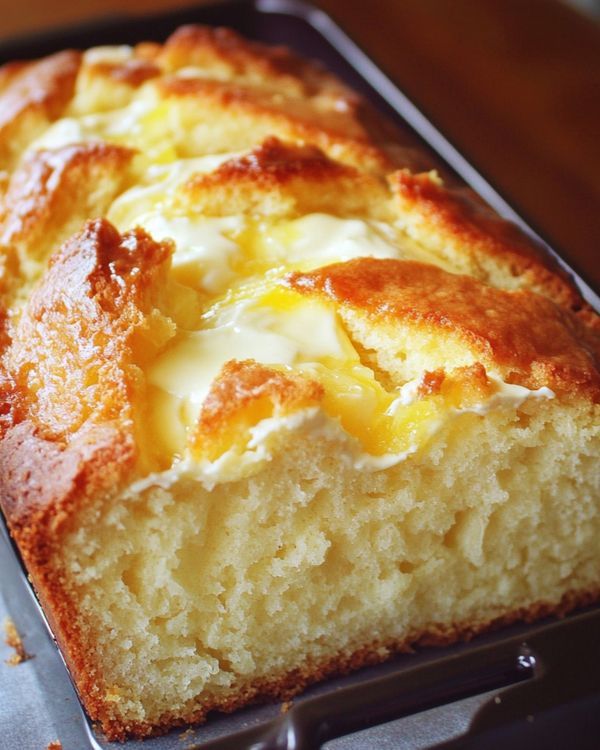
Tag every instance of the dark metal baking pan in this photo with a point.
(526, 686)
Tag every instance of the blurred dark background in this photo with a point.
(588, 6)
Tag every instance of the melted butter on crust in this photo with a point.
(305, 336)
(523, 336)
(368, 251)
(301, 287)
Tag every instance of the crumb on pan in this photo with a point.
(13, 639)
(187, 735)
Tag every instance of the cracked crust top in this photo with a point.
(87, 306)
(526, 337)
(74, 353)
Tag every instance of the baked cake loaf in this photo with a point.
(275, 401)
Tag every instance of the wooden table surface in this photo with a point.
(515, 84)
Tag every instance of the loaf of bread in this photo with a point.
(275, 402)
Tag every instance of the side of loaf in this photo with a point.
(275, 402)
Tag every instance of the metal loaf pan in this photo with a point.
(524, 687)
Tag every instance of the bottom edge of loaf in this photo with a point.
(284, 687)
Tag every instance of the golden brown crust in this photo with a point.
(431, 383)
(109, 79)
(285, 687)
(71, 374)
(227, 55)
(297, 115)
(4, 339)
(533, 341)
(81, 329)
(49, 184)
(132, 72)
(278, 178)
(252, 114)
(69, 423)
(72, 399)
(42, 485)
(244, 393)
(274, 163)
(460, 220)
(41, 481)
(51, 195)
(31, 96)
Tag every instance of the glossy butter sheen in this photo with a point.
(283, 329)
(235, 263)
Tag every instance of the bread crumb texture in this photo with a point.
(13, 639)
(276, 399)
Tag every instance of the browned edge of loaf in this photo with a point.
(462, 215)
(286, 686)
(61, 476)
(533, 340)
(458, 211)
